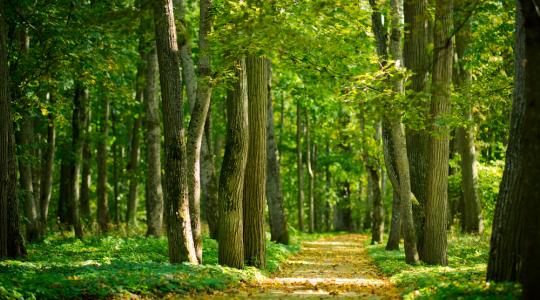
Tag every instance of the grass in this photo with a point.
(463, 278)
(116, 266)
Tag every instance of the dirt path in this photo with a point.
(337, 266)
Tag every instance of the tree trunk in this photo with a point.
(117, 169)
(11, 240)
(274, 194)
(179, 233)
(311, 177)
(508, 231)
(299, 167)
(102, 154)
(86, 177)
(436, 206)
(394, 236)
(209, 180)
(47, 168)
(377, 229)
(154, 191)
(184, 45)
(65, 166)
(465, 138)
(531, 149)
(416, 60)
(255, 184)
(231, 182)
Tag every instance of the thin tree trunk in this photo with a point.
(231, 182)
(115, 212)
(209, 180)
(86, 177)
(184, 45)
(436, 206)
(47, 168)
(102, 154)
(180, 239)
(299, 167)
(11, 240)
(310, 175)
(154, 191)
(394, 236)
(274, 195)
(416, 59)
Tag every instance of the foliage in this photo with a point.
(463, 278)
(102, 267)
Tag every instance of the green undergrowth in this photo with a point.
(463, 278)
(115, 266)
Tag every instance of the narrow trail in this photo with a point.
(337, 266)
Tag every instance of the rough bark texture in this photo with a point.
(179, 233)
(299, 167)
(11, 240)
(154, 191)
(102, 154)
(255, 183)
(184, 45)
(231, 182)
(472, 221)
(209, 180)
(436, 206)
(394, 235)
(274, 195)
(416, 60)
(530, 149)
(47, 167)
(311, 177)
(507, 238)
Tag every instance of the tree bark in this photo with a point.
(274, 195)
(184, 45)
(231, 182)
(86, 174)
(47, 168)
(299, 167)
(209, 180)
(154, 191)
(180, 239)
(255, 184)
(311, 176)
(416, 59)
(102, 154)
(436, 206)
(394, 235)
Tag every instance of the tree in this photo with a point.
(299, 167)
(436, 206)
(231, 182)
(47, 166)
(102, 154)
(311, 176)
(179, 233)
(11, 240)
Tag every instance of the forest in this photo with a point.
(274, 149)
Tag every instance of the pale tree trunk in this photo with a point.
(180, 239)
(508, 231)
(436, 206)
(531, 149)
(231, 182)
(465, 138)
(274, 194)
(102, 154)
(11, 240)
(255, 183)
(311, 176)
(299, 167)
(47, 168)
(154, 191)
(416, 59)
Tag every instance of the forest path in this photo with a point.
(336, 266)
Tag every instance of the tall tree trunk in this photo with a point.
(530, 149)
(508, 232)
(209, 180)
(328, 182)
(231, 182)
(24, 139)
(394, 235)
(416, 60)
(180, 239)
(79, 118)
(311, 176)
(102, 154)
(299, 167)
(63, 193)
(274, 195)
(465, 137)
(47, 168)
(154, 191)
(11, 240)
(436, 206)
(86, 177)
(117, 169)
(377, 229)
(186, 59)
(255, 184)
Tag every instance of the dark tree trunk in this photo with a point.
(394, 236)
(274, 195)
(311, 177)
(47, 168)
(102, 154)
(63, 194)
(231, 182)
(86, 175)
(180, 239)
(209, 180)
(299, 167)
(154, 191)
(255, 183)
(436, 205)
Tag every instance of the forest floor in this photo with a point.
(336, 266)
